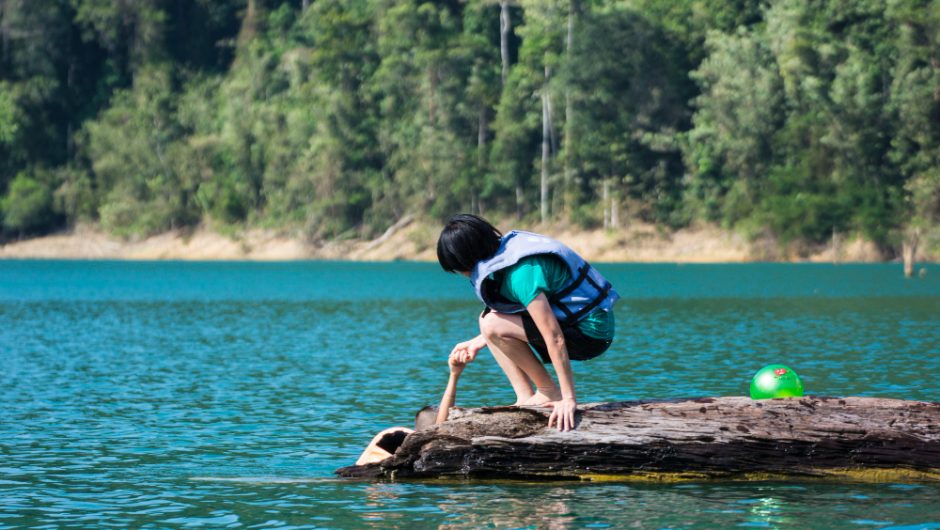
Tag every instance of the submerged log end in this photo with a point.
(853, 438)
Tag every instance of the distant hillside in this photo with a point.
(416, 240)
(794, 122)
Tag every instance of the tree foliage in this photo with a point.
(27, 206)
(799, 118)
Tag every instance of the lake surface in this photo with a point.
(225, 394)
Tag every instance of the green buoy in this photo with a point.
(776, 381)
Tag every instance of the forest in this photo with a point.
(793, 119)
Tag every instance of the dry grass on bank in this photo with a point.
(413, 240)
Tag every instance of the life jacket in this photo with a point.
(586, 291)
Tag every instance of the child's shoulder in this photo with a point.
(542, 265)
(540, 260)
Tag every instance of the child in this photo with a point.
(384, 444)
(539, 295)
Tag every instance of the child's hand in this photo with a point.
(563, 414)
(455, 364)
(467, 351)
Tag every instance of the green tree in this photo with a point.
(426, 132)
(915, 99)
(834, 62)
(9, 126)
(8, 118)
(340, 170)
(795, 118)
(133, 147)
(730, 145)
(523, 166)
(631, 103)
(132, 33)
(792, 129)
(27, 206)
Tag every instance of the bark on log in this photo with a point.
(858, 438)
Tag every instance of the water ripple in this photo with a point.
(154, 395)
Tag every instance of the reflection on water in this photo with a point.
(225, 395)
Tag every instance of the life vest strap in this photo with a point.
(604, 291)
(576, 282)
(583, 275)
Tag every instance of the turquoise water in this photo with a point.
(225, 394)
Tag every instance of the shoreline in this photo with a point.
(414, 241)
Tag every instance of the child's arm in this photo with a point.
(547, 323)
(450, 393)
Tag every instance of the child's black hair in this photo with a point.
(465, 241)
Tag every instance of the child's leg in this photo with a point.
(506, 339)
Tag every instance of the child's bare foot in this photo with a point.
(540, 399)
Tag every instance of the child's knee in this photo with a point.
(489, 323)
(493, 326)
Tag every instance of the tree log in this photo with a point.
(856, 438)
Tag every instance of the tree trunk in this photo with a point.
(6, 10)
(860, 438)
(304, 5)
(481, 158)
(481, 138)
(909, 251)
(836, 247)
(546, 150)
(432, 88)
(69, 83)
(505, 27)
(249, 26)
(569, 116)
(520, 201)
(552, 136)
(615, 210)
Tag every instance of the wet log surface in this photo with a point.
(727, 437)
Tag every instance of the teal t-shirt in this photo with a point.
(532, 275)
